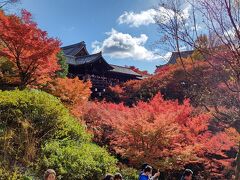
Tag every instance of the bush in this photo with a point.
(32, 122)
(27, 119)
(129, 173)
(14, 174)
(73, 161)
(10, 175)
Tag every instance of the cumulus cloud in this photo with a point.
(138, 19)
(123, 46)
(148, 17)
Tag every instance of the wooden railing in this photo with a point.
(101, 82)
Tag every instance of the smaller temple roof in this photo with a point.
(175, 56)
(73, 49)
(123, 70)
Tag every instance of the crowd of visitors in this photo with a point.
(145, 174)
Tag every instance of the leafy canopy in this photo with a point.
(29, 48)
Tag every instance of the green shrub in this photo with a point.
(31, 123)
(10, 175)
(14, 174)
(129, 173)
(27, 119)
(73, 161)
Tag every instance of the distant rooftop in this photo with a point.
(175, 56)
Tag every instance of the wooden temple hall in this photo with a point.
(95, 68)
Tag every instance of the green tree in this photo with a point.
(62, 61)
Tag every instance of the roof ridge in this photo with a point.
(121, 66)
(88, 55)
(73, 45)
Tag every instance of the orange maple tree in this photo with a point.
(29, 48)
(74, 93)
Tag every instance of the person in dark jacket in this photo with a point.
(187, 174)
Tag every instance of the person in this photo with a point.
(187, 174)
(147, 174)
(144, 165)
(50, 174)
(117, 176)
(108, 177)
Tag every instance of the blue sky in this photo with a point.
(122, 29)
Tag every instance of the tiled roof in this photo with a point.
(88, 59)
(175, 56)
(123, 70)
(85, 59)
(73, 49)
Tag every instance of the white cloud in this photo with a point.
(123, 46)
(138, 19)
(148, 17)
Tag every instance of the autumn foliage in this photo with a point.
(173, 81)
(135, 69)
(29, 48)
(159, 120)
(164, 133)
(74, 93)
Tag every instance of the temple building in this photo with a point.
(95, 68)
(176, 55)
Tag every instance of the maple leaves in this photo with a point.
(29, 48)
(153, 129)
(164, 133)
(143, 73)
(74, 93)
(171, 80)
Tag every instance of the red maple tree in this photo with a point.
(164, 133)
(29, 48)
